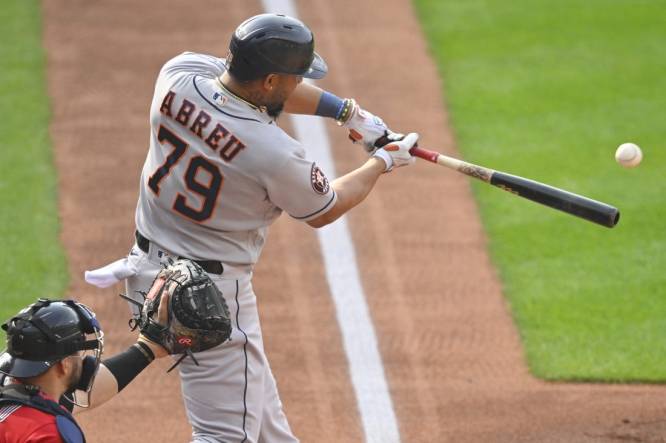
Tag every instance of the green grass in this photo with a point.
(32, 262)
(548, 90)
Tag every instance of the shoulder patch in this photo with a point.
(318, 180)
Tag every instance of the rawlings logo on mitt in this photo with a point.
(198, 317)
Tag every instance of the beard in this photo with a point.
(275, 104)
(274, 110)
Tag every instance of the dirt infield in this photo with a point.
(452, 356)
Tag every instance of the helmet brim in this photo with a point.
(21, 368)
(318, 68)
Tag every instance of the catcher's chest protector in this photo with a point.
(68, 429)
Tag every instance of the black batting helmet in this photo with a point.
(46, 332)
(273, 43)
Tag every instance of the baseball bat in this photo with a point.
(583, 207)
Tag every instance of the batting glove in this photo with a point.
(364, 127)
(396, 153)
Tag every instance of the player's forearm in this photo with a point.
(311, 100)
(351, 189)
(304, 100)
(104, 389)
(118, 371)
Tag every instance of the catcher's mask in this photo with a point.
(48, 331)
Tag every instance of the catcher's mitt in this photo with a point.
(198, 316)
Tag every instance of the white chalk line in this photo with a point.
(358, 333)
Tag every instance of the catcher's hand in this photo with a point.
(184, 311)
(162, 319)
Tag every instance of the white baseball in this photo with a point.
(628, 155)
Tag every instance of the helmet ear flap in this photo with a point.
(87, 373)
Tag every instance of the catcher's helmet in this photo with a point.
(273, 43)
(46, 332)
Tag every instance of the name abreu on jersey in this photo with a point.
(213, 136)
(219, 171)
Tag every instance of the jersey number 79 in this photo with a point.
(208, 191)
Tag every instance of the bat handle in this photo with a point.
(425, 154)
(470, 169)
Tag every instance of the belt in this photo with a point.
(210, 266)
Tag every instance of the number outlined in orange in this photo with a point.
(179, 148)
(209, 191)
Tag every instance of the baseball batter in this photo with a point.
(219, 171)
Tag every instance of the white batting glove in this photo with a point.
(364, 127)
(396, 153)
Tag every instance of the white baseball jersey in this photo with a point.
(219, 170)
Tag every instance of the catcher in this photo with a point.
(52, 365)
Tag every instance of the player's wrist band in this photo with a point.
(330, 105)
(346, 110)
(145, 350)
(128, 364)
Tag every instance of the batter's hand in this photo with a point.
(364, 127)
(396, 152)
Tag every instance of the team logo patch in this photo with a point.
(319, 181)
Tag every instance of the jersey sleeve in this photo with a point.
(193, 63)
(299, 187)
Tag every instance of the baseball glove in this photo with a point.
(198, 317)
